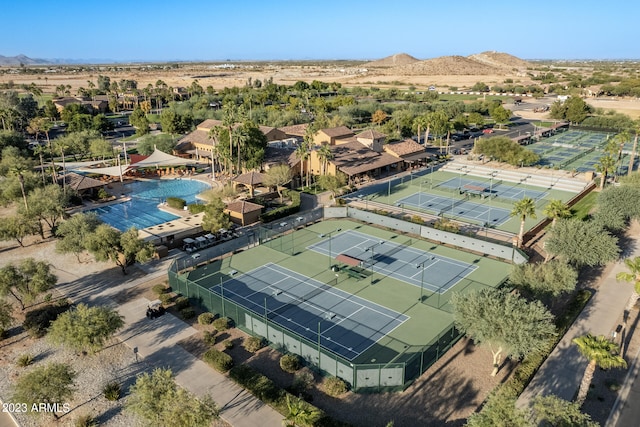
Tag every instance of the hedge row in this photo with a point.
(267, 391)
(220, 361)
(284, 211)
(176, 203)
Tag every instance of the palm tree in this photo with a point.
(632, 156)
(600, 352)
(299, 413)
(229, 113)
(241, 141)
(420, 123)
(303, 153)
(525, 208)
(606, 165)
(556, 209)
(40, 150)
(19, 170)
(324, 155)
(631, 276)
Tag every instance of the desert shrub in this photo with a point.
(165, 299)
(187, 313)
(159, 289)
(24, 360)
(103, 194)
(253, 344)
(209, 337)
(228, 344)
(196, 208)
(222, 323)
(290, 363)
(37, 321)
(176, 203)
(206, 318)
(220, 361)
(335, 386)
(182, 302)
(417, 219)
(112, 391)
(446, 224)
(85, 421)
(302, 381)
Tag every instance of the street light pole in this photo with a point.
(421, 265)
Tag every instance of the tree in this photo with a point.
(157, 399)
(324, 156)
(604, 166)
(19, 170)
(215, 218)
(503, 149)
(47, 204)
(299, 413)
(18, 227)
(378, 117)
(525, 208)
(553, 278)
(600, 352)
(500, 114)
(278, 176)
(72, 234)
(333, 182)
(553, 411)
(163, 142)
(556, 209)
(6, 311)
(26, 281)
(100, 148)
(503, 321)
(499, 411)
(582, 243)
(420, 123)
(138, 119)
(109, 244)
(631, 276)
(622, 201)
(49, 384)
(85, 328)
(303, 154)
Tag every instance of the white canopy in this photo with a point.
(111, 170)
(158, 158)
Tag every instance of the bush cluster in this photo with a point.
(220, 361)
(206, 318)
(253, 344)
(25, 360)
(112, 391)
(37, 321)
(335, 386)
(290, 363)
(85, 421)
(182, 302)
(196, 208)
(283, 211)
(176, 203)
(187, 313)
(222, 323)
(209, 337)
(159, 289)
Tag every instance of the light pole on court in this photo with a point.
(319, 322)
(421, 265)
(373, 254)
(330, 234)
(222, 295)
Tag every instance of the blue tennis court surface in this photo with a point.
(348, 324)
(436, 273)
(459, 208)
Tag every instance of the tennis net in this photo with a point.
(397, 247)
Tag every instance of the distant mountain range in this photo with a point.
(15, 61)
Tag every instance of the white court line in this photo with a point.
(307, 280)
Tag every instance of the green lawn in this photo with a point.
(581, 209)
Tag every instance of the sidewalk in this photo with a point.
(562, 372)
(155, 342)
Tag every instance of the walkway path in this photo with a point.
(155, 341)
(562, 372)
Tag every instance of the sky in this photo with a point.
(220, 30)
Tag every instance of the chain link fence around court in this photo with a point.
(394, 364)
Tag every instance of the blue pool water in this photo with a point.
(142, 210)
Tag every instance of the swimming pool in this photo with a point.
(142, 210)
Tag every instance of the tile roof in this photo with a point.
(370, 134)
(243, 207)
(274, 156)
(79, 182)
(353, 158)
(337, 132)
(404, 148)
(295, 130)
(249, 178)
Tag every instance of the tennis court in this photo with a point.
(459, 208)
(493, 189)
(338, 321)
(435, 273)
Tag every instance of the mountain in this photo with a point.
(485, 63)
(21, 59)
(396, 60)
